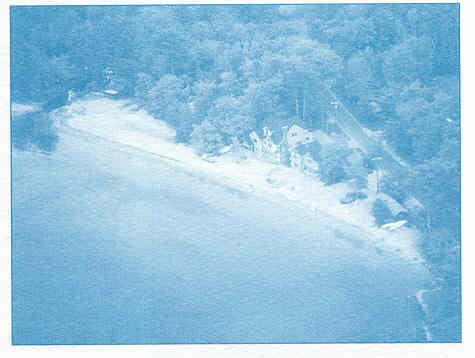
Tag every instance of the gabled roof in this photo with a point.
(298, 135)
(322, 137)
(392, 204)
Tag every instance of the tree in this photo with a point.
(41, 64)
(230, 118)
(409, 60)
(264, 100)
(161, 43)
(166, 99)
(332, 162)
(350, 35)
(34, 130)
(203, 95)
(206, 138)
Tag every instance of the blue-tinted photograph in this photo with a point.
(209, 174)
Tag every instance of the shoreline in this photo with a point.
(120, 121)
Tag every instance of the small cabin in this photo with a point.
(297, 135)
(398, 211)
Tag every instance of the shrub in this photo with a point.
(206, 139)
(34, 129)
(332, 162)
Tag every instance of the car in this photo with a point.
(353, 196)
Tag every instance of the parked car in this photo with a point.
(353, 196)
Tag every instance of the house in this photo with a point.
(297, 135)
(295, 160)
(300, 144)
(413, 205)
(309, 164)
(322, 137)
(256, 143)
(264, 147)
(398, 211)
(268, 146)
(264, 144)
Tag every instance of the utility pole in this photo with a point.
(377, 161)
(297, 106)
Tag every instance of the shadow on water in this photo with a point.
(34, 131)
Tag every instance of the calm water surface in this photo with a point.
(111, 245)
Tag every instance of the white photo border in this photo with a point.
(267, 350)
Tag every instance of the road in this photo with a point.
(352, 128)
(116, 246)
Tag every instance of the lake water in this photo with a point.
(115, 246)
